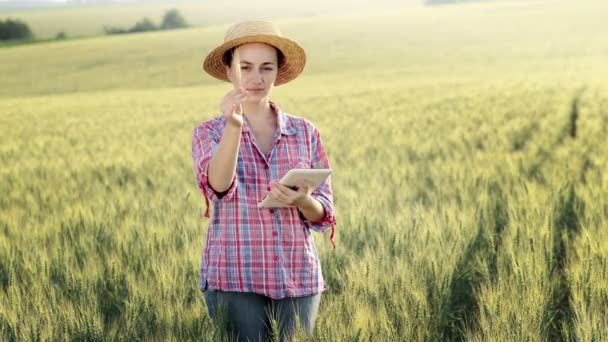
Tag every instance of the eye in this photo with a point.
(268, 69)
(244, 68)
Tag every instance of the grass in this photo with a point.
(458, 180)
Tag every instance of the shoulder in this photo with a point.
(300, 124)
(211, 126)
(311, 137)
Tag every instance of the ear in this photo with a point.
(228, 72)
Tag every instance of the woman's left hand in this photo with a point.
(283, 194)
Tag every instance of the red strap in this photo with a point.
(206, 204)
(331, 237)
(333, 230)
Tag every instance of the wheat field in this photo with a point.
(469, 151)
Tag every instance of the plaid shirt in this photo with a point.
(262, 250)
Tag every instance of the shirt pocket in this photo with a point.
(300, 164)
(285, 164)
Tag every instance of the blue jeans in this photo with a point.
(247, 314)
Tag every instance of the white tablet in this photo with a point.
(313, 176)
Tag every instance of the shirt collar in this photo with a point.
(286, 127)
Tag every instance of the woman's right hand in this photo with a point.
(232, 106)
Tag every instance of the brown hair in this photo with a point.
(227, 58)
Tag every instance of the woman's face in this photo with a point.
(258, 63)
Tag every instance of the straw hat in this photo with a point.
(261, 32)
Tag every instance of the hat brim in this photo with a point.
(295, 57)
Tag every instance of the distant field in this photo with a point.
(480, 43)
(90, 20)
(479, 131)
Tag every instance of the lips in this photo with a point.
(255, 89)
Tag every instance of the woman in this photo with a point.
(260, 262)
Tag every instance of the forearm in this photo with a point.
(312, 209)
(222, 165)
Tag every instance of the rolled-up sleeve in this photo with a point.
(205, 141)
(323, 193)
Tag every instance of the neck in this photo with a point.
(257, 110)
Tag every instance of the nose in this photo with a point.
(256, 77)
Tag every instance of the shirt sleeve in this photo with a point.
(323, 193)
(205, 141)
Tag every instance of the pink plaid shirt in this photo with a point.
(261, 250)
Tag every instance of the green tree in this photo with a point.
(14, 29)
(114, 30)
(146, 24)
(172, 20)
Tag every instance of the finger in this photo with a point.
(276, 195)
(236, 93)
(304, 186)
(282, 189)
(236, 108)
(240, 96)
(232, 93)
(288, 198)
(284, 198)
(272, 187)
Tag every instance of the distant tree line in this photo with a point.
(171, 20)
(14, 29)
(446, 2)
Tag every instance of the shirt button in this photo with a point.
(276, 258)
(266, 166)
(275, 234)
(271, 210)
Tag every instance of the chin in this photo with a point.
(255, 98)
